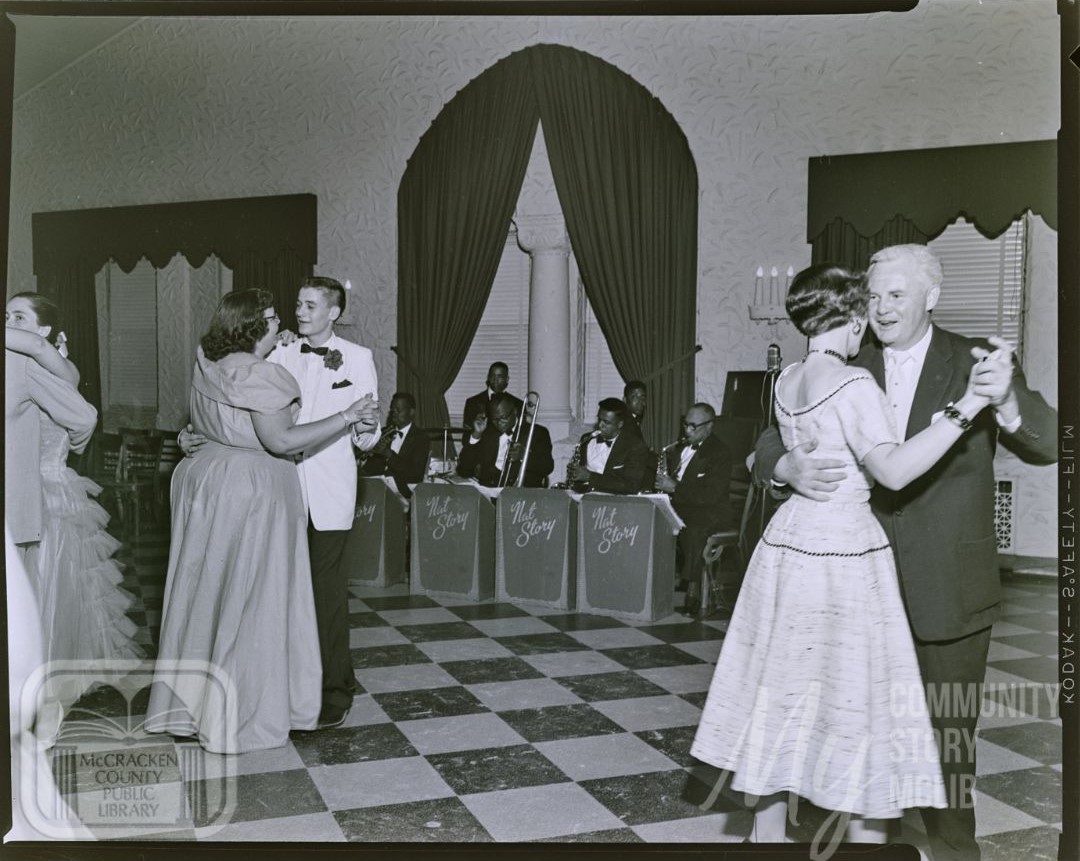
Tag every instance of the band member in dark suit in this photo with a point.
(941, 525)
(698, 477)
(477, 406)
(492, 444)
(609, 459)
(403, 450)
(636, 397)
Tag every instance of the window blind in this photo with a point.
(503, 334)
(983, 290)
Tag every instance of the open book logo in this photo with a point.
(111, 749)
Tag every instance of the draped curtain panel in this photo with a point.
(268, 242)
(628, 187)
(857, 204)
(455, 203)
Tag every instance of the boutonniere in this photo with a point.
(333, 359)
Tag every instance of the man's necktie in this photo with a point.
(318, 351)
(606, 442)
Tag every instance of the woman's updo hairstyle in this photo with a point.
(238, 324)
(824, 296)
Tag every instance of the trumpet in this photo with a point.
(362, 458)
(531, 406)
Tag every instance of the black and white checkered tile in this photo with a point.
(495, 722)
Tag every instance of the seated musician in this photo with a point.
(498, 377)
(698, 477)
(636, 396)
(492, 443)
(610, 460)
(403, 450)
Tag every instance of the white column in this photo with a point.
(544, 238)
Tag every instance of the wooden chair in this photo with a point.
(171, 455)
(131, 482)
(739, 435)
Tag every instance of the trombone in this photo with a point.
(531, 405)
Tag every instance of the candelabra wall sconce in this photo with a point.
(769, 295)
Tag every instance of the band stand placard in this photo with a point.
(536, 547)
(452, 542)
(375, 546)
(626, 556)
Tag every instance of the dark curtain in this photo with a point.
(268, 242)
(840, 243)
(454, 208)
(628, 188)
(857, 204)
(281, 275)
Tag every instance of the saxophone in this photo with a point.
(661, 458)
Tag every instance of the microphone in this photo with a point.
(773, 360)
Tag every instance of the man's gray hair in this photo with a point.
(920, 259)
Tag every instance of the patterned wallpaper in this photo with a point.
(188, 109)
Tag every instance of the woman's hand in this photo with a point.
(286, 337)
(190, 441)
(61, 344)
(363, 413)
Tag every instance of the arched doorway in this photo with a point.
(627, 184)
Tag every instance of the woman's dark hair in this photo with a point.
(238, 324)
(45, 309)
(824, 296)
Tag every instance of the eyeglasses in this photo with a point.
(696, 425)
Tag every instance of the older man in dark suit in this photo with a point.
(611, 459)
(941, 526)
(494, 455)
(403, 450)
(697, 474)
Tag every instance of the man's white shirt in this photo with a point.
(597, 454)
(902, 371)
(328, 472)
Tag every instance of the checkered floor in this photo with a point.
(494, 722)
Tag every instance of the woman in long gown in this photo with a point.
(238, 662)
(813, 689)
(82, 604)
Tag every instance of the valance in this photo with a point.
(230, 229)
(991, 185)
(268, 242)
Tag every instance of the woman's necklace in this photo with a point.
(833, 353)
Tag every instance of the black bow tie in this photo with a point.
(603, 441)
(318, 351)
(693, 445)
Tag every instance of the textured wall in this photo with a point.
(186, 109)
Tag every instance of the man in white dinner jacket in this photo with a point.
(332, 373)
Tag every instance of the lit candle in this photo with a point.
(774, 288)
(759, 282)
(348, 284)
